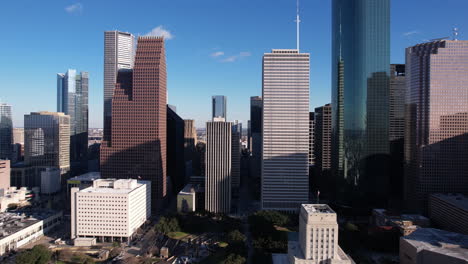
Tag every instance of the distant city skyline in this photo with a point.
(224, 57)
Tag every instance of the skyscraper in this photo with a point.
(285, 94)
(256, 106)
(236, 152)
(218, 167)
(137, 146)
(6, 131)
(322, 146)
(311, 138)
(219, 103)
(175, 150)
(397, 131)
(397, 102)
(436, 132)
(360, 84)
(72, 99)
(118, 54)
(47, 140)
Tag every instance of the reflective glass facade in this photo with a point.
(219, 106)
(360, 100)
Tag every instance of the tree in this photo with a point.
(234, 259)
(236, 236)
(167, 225)
(39, 254)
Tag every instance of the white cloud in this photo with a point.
(234, 58)
(410, 33)
(160, 31)
(217, 54)
(75, 8)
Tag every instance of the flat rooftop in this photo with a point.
(12, 222)
(126, 187)
(436, 240)
(318, 208)
(458, 200)
(90, 176)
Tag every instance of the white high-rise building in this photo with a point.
(218, 181)
(111, 209)
(118, 54)
(285, 93)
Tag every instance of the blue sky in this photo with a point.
(42, 38)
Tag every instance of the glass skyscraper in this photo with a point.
(219, 106)
(72, 99)
(360, 100)
(6, 131)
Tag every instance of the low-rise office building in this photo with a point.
(449, 211)
(22, 227)
(83, 181)
(434, 246)
(111, 209)
(18, 197)
(406, 223)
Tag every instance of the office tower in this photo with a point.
(6, 131)
(175, 151)
(449, 211)
(436, 132)
(137, 145)
(322, 146)
(190, 139)
(47, 140)
(256, 106)
(360, 84)
(311, 138)
(236, 154)
(219, 103)
(317, 240)
(110, 209)
(285, 94)
(397, 102)
(118, 54)
(18, 135)
(397, 131)
(218, 167)
(72, 99)
(4, 174)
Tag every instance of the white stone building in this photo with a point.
(111, 209)
(317, 242)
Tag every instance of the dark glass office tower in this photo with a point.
(360, 103)
(219, 106)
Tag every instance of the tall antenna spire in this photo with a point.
(297, 25)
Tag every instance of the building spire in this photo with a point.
(297, 25)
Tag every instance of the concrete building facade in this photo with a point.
(218, 180)
(47, 140)
(433, 246)
(22, 228)
(111, 209)
(5, 174)
(285, 147)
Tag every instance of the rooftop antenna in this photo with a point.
(297, 25)
(455, 33)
